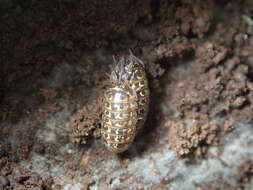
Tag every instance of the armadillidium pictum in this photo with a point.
(135, 74)
(125, 104)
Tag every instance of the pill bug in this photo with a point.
(135, 75)
(119, 117)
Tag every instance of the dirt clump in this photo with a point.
(218, 88)
(193, 135)
(181, 25)
(86, 122)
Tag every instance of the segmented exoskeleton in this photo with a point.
(135, 75)
(126, 103)
(119, 117)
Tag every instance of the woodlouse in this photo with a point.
(119, 118)
(126, 103)
(135, 74)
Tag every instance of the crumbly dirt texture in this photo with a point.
(86, 122)
(55, 58)
(218, 87)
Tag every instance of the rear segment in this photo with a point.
(119, 118)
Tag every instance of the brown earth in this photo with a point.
(38, 36)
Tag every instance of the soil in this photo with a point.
(55, 57)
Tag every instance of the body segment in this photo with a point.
(126, 103)
(119, 118)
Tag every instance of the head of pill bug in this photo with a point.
(123, 70)
(132, 62)
(118, 73)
